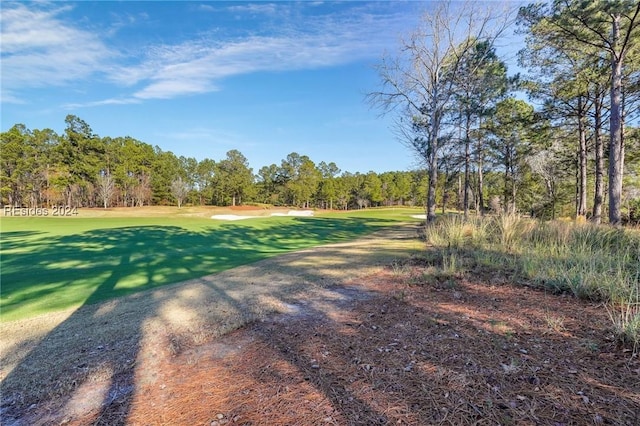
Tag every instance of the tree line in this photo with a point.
(459, 110)
(78, 168)
(40, 168)
(569, 149)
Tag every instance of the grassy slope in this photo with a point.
(49, 264)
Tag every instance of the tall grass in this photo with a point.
(455, 232)
(598, 263)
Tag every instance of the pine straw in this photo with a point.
(380, 351)
(470, 355)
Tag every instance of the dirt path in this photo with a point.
(354, 343)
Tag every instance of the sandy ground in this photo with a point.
(234, 217)
(347, 334)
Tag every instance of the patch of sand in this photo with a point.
(299, 213)
(295, 213)
(231, 217)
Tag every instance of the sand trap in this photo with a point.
(419, 216)
(295, 213)
(306, 213)
(230, 217)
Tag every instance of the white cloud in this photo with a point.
(254, 8)
(195, 66)
(7, 97)
(39, 49)
(207, 8)
(170, 88)
(112, 101)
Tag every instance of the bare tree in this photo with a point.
(548, 164)
(141, 192)
(179, 189)
(106, 187)
(419, 82)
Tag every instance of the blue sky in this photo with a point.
(200, 78)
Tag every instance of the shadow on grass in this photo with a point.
(15, 239)
(57, 273)
(422, 361)
(102, 341)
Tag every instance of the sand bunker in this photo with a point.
(231, 217)
(295, 213)
(305, 213)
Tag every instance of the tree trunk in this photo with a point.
(445, 195)
(616, 161)
(480, 178)
(514, 189)
(459, 195)
(507, 168)
(581, 208)
(599, 184)
(553, 200)
(433, 160)
(467, 165)
(433, 181)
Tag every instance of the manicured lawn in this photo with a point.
(50, 264)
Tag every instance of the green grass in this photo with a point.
(50, 264)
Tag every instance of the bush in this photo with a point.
(632, 216)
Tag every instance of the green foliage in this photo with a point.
(515, 130)
(204, 180)
(40, 168)
(81, 151)
(583, 57)
(372, 188)
(35, 171)
(233, 179)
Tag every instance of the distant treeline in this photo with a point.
(40, 168)
(79, 168)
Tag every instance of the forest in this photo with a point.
(559, 140)
(79, 168)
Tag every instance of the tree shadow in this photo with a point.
(451, 351)
(100, 342)
(60, 272)
(448, 361)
